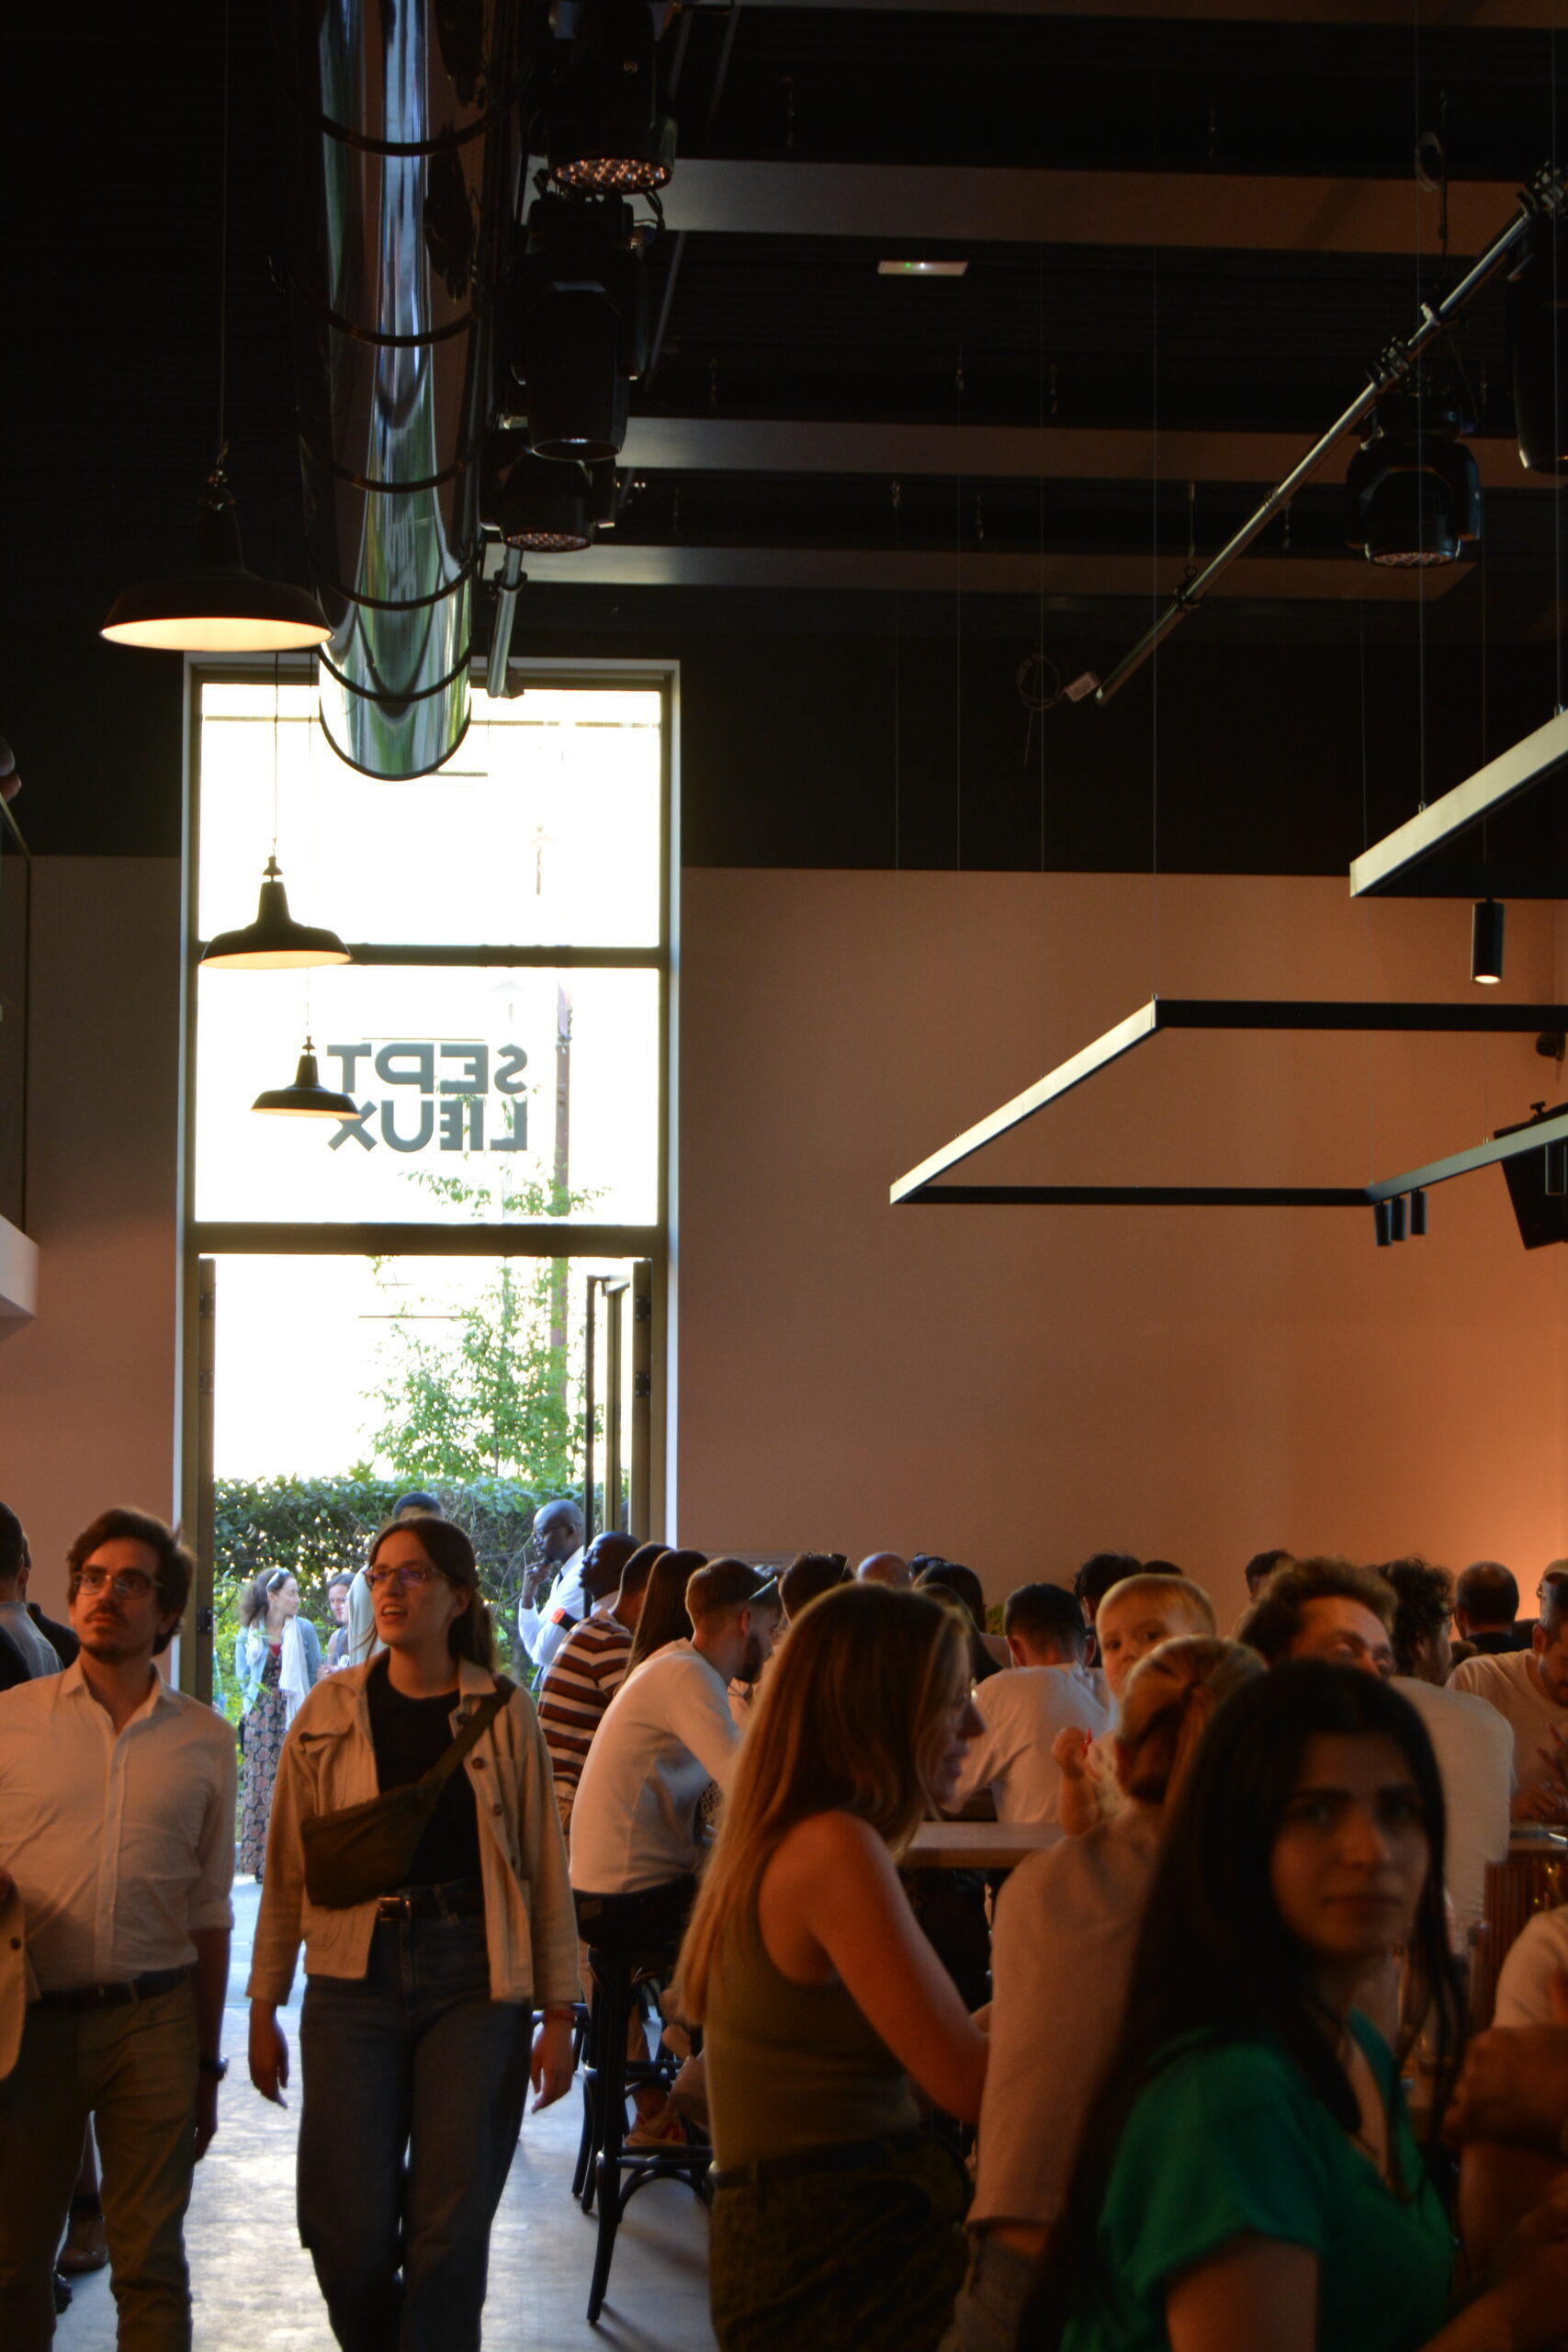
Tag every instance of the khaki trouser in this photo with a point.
(133, 2069)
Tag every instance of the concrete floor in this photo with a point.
(255, 2291)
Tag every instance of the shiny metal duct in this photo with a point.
(401, 180)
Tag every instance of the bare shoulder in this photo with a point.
(832, 1842)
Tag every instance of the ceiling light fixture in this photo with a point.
(580, 330)
(1538, 346)
(1411, 492)
(1486, 942)
(610, 128)
(921, 268)
(275, 941)
(542, 506)
(217, 606)
(307, 1098)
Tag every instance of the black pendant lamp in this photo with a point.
(275, 941)
(1486, 942)
(307, 1098)
(217, 606)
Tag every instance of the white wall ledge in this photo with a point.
(18, 1274)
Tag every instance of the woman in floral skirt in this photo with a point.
(276, 1658)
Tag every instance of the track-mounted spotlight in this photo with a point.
(1382, 1224)
(1396, 1217)
(542, 505)
(1411, 492)
(1538, 346)
(1486, 942)
(609, 126)
(1418, 1211)
(580, 326)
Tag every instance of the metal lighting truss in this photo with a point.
(1548, 194)
(1386, 1196)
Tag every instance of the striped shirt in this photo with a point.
(588, 1670)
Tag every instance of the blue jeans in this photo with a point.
(414, 2083)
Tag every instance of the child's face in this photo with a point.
(1126, 1630)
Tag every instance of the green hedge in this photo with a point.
(313, 1527)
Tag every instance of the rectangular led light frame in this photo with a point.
(1524, 764)
(920, 1188)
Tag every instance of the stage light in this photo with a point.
(1412, 491)
(1486, 942)
(580, 327)
(609, 130)
(542, 505)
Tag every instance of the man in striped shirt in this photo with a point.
(588, 1669)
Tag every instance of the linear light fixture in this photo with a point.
(920, 1187)
(1523, 765)
(921, 268)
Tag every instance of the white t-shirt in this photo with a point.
(546, 1629)
(1474, 1749)
(1023, 1709)
(1508, 1683)
(666, 1734)
(1061, 1954)
(1532, 1960)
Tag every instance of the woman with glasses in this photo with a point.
(416, 2039)
(278, 1659)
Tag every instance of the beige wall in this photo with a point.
(87, 1389)
(1013, 1386)
(1017, 1387)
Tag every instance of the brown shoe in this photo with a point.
(86, 2244)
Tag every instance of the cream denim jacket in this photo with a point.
(328, 1762)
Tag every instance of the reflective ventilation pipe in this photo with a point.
(403, 167)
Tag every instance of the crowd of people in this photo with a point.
(1144, 2092)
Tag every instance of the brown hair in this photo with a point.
(176, 1567)
(664, 1618)
(1276, 1617)
(449, 1552)
(850, 1703)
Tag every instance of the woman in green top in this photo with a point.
(837, 2221)
(1247, 2177)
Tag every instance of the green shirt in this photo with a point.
(1228, 2141)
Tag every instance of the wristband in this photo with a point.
(558, 2014)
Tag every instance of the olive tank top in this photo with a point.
(792, 2067)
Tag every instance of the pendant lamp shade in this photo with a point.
(275, 941)
(307, 1098)
(217, 606)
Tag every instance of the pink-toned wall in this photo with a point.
(1017, 1387)
(87, 1389)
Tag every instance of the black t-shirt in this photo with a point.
(410, 1736)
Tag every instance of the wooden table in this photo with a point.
(978, 1845)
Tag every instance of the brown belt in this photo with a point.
(145, 1987)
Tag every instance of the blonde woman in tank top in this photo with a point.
(837, 2221)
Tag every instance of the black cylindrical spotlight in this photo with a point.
(580, 327)
(1382, 1224)
(1418, 1211)
(1538, 346)
(609, 126)
(1396, 1217)
(1556, 1158)
(542, 507)
(1486, 942)
(1411, 492)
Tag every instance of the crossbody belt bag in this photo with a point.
(366, 1851)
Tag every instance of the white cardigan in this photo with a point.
(329, 1762)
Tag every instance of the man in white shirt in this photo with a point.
(116, 1830)
(1023, 1708)
(544, 1626)
(1529, 1688)
(636, 1837)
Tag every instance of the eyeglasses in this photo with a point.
(126, 1584)
(411, 1574)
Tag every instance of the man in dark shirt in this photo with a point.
(30, 1643)
(1487, 1604)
